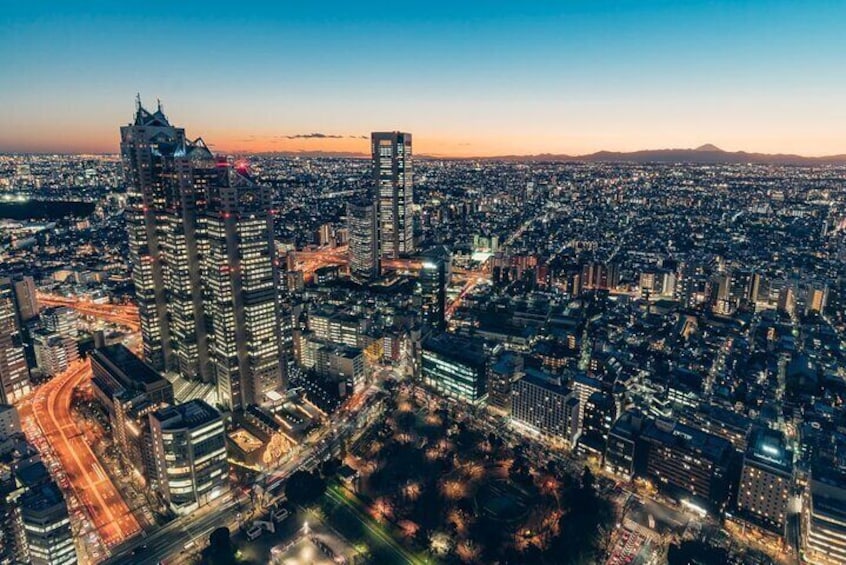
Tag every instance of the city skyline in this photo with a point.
(678, 327)
(565, 78)
(549, 282)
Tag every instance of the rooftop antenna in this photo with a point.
(137, 101)
(159, 104)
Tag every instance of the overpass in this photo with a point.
(121, 314)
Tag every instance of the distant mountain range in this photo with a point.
(703, 155)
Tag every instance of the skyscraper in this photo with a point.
(201, 247)
(242, 282)
(14, 371)
(364, 244)
(392, 176)
(167, 176)
(431, 287)
(26, 298)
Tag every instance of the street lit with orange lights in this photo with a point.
(471, 283)
(402, 265)
(120, 314)
(50, 408)
(310, 261)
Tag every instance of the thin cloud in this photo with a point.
(318, 135)
(313, 136)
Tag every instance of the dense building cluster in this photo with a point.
(681, 328)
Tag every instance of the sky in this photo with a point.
(465, 77)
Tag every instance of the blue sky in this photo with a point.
(464, 77)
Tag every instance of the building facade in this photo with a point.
(541, 402)
(621, 449)
(242, 283)
(343, 363)
(14, 371)
(766, 481)
(501, 377)
(432, 286)
(598, 417)
(364, 242)
(165, 174)
(686, 463)
(336, 327)
(392, 176)
(455, 366)
(38, 529)
(10, 427)
(46, 523)
(61, 320)
(25, 295)
(824, 517)
(130, 389)
(189, 449)
(54, 352)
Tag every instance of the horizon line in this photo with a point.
(339, 154)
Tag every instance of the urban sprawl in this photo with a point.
(299, 359)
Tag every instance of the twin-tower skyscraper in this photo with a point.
(203, 258)
(203, 262)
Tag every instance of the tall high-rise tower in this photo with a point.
(201, 248)
(167, 176)
(364, 244)
(242, 282)
(392, 176)
(26, 298)
(14, 371)
(431, 287)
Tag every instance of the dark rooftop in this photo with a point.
(769, 447)
(459, 348)
(32, 474)
(191, 414)
(45, 496)
(128, 363)
(545, 380)
(671, 433)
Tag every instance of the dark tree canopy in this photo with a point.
(695, 552)
(330, 468)
(220, 550)
(304, 488)
(581, 527)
